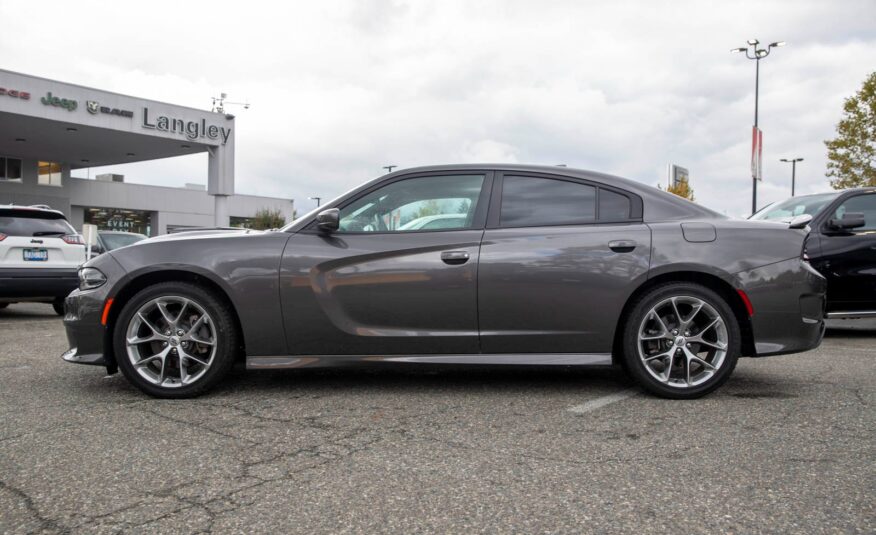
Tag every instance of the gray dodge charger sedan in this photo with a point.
(477, 264)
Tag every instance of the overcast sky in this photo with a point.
(341, 88)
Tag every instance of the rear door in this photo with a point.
(559, 258)
(390, 281)
(848, 259)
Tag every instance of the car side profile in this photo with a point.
(534, 265)
(841, 245)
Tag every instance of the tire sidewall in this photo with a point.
(636, 367)
(224, 332)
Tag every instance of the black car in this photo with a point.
(841, 245)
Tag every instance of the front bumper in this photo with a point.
(788, 299)
(37, 283)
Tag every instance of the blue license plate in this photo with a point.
(36, 255)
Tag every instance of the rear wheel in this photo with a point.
(58, 305)
(681, 341)
(175, 340)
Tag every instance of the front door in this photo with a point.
(558, 261)
(398, 278)
(848, 259)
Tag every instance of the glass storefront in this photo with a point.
(124, 220)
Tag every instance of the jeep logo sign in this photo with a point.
(67, 104)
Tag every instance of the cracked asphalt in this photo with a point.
(787, 445)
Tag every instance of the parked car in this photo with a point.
(551, 266)
(39, 255)
(107, 240)
(841, 245)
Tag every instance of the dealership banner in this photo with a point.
(756, 153)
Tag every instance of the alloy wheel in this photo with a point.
(171, 341)
(683, 341)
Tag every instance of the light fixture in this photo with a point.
(20, 139)
(84, 161)
(777, 43)
(130, 154)
(753, 42)
(739, 49)
(186, 146)
(71, 129)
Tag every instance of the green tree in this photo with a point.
(265, 218)
(851, 156)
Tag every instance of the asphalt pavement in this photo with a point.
(786, 446)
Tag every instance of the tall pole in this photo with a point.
(793, 175)
(756, 97)
(753, 52)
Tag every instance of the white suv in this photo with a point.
(40, 254)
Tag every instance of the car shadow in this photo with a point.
(28, 312)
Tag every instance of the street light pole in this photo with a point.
(389, 168)
(793, 170)
(757, 54)
(317, 199)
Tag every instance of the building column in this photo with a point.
(220, 212)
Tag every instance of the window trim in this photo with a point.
(494, 219)
(478, 221)
(5, 178)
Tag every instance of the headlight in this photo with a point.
(90, 278)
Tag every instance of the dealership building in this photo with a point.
(50, 128)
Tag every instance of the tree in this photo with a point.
(851, 156)
(265, 218)
(682, 189)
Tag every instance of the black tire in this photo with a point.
(633, 363)
(3, 305)
(226, 338)
(58, 305)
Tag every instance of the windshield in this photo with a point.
(791, 208)
(114, 241)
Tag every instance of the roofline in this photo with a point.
(105, 91)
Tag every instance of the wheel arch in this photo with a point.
(142, 280)
(709, 280)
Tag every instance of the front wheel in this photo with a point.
(175, 340)
(58, 306)
(681, 341)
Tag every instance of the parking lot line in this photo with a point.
(600, 402)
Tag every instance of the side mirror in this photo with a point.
(96, 250)
(329, 220)
(849, 221)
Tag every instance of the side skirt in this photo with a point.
(328, 361)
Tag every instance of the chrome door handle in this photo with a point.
(454, 258)
(622, 246)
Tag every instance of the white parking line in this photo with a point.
(598, 403)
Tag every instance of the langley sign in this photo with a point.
(190, 129)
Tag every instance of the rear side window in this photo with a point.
(864, 204)
(533, 202)
(20, 223)
(613, 206)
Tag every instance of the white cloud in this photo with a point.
(339, 89)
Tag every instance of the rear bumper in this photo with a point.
(788, 299)
(36, 283)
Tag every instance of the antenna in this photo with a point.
(219, 103)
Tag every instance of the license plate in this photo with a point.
(36, 255)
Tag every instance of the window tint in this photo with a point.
(434, 202)
(865, 204)
(114, 241)
(613, 206)
(24, 224)
(532, 202)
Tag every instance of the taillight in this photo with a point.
(2, 236)
(73, 239)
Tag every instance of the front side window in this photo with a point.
(415, 204)
(534, 202)
(795, 206)
(863, 204)
(49, 174)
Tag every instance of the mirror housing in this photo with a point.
(328, 220)
(849, 221)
